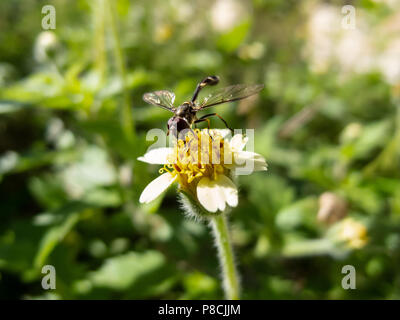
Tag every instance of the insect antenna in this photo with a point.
(210, 80)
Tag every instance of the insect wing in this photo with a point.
(228, 94)
(164, 99)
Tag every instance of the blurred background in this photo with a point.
(72, 124)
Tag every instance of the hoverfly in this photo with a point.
(185, 114)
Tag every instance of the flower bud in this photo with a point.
(351, 233)
(45, 46)
(332, 208)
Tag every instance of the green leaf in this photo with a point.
(18, 243)
(300, 213)
(231, 40)
(199, 286)
(373, 135)
(68, 216)
(140, 274)
(13, 162)
(102, 197)
(8, 106)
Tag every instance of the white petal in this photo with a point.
(260, 165)
(247, 158)
(157, 155)
(238, 142)
(207, 196)
(229, 189)
(213, 194)
(156, 187)
(223, 132)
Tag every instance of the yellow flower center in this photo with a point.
(200, 154)
(354, 233)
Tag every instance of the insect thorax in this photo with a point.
(185, 110)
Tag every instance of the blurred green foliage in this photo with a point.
(72, 124)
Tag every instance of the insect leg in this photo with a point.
(190, 129)
(211, 81)
(216, 114)
(202, 119)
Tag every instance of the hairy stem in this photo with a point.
(230, 277)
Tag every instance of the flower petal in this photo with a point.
(208, 197)
(238, 142)
(157, 155)
(156, 187)
(214, 194)
(229, 189)
(248, 158)
(223, 132)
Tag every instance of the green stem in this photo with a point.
(126, 116)
(225, 253)
(99, 49)
(308, 248)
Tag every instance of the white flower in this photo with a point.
(202, 165)
(45, 43)
(213, 194)
(349, 232)
(156, 187)
(225, 14)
